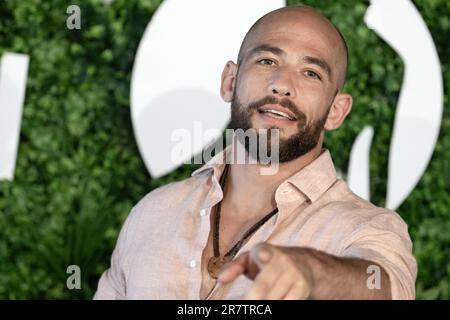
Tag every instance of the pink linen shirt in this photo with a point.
(159, 249)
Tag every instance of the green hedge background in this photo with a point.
(79, 171)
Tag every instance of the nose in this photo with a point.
(281, 85)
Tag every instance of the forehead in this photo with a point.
(298, 34)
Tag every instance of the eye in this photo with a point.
(312, 74)
(266, 62)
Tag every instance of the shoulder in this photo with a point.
(350, 207)
(173, 194)
(160, 210)
(172, 198)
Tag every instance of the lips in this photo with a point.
(277, 111)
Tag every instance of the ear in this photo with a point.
(228, 81)
(341, 107)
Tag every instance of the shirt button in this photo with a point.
(192, 263)
(285, 191)
(202, 212)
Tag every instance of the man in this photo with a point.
(296, 234)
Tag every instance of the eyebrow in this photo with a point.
(321, 63)
(266, 48)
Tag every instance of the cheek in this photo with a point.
(249, 93)
(252, 85)
(312, 101)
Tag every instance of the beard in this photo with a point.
(297, 145)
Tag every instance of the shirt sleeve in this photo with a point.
(384, 239)
(112, 284)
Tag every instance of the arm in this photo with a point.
(300, 273)
(112, 284)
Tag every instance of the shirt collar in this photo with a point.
(217, 164)
(316, 178)
(313, 180)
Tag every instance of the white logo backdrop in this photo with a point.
(419, 109)
(13, 80)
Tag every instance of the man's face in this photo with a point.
(287, 80)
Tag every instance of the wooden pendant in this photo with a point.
(214, 266)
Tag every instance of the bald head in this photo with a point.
(308, 21)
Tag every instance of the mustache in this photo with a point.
(286, 103)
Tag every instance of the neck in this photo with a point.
(249, 193)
